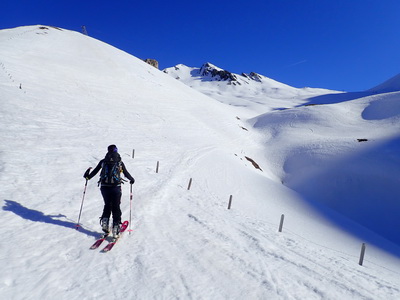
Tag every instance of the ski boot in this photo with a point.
(104, 225)
(115, 229)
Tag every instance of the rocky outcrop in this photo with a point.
(152, 62)
(209, 72)
(253, 76)
(218, 74)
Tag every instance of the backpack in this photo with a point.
(111, 172)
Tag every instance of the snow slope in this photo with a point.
(315, 148)
(344, 155)
(65, 97)
(390, 85)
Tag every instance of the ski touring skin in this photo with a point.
(111, 244)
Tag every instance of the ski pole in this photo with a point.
(80, 212)
(130, 212)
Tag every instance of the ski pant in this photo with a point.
(112, 200)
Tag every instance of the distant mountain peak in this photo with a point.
(209, 72)
(218, 74)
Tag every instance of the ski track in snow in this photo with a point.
(231, 245)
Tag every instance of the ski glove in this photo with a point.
(86, 175)
(132, 181)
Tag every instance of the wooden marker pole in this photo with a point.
(230, 202)
(362, 254)
(190, 184)
(281, 223)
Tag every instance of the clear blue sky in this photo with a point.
(349, 45)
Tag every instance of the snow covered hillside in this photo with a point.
(390, 85)
(65, 97)
(252, 93)
(344, 154)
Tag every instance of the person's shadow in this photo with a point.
(38, 216)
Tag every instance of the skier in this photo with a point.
(110, 186)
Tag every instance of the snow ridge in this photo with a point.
(391, 85)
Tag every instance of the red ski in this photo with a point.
(98, 242)
(111, 244)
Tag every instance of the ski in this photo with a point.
(99, 241)
(111, 244)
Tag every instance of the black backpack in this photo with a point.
(111, 170)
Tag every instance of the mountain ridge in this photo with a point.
(388, 86)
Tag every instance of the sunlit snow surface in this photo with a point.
(65, 97)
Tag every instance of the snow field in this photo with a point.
(79, 95)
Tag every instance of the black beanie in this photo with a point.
(112, 148)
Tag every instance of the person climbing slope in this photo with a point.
(110, 186)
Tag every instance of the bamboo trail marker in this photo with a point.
(281, 223)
